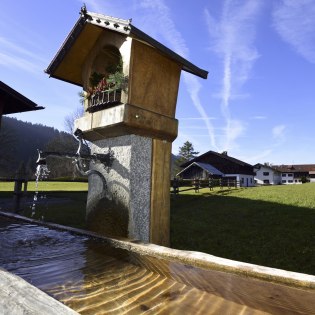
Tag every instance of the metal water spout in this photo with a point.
(83, 153)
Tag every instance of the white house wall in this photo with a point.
(289, 179)
(244, 180)
(273, 177)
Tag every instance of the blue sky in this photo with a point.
(258, 100)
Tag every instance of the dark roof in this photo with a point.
(96, 21)
(259, 165)
(207, 167)
(14, 102)
(222, 162)
(295, 168)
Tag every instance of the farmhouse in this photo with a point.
(265, 174)
(296, 174)
(218, 165)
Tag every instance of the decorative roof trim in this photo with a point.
(123, 27)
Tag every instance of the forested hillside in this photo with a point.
(20, 140)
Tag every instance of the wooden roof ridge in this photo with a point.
(121, 26)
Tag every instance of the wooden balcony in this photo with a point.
(104, 99)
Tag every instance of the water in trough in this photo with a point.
(93, 278)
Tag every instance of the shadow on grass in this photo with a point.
(258, 232)
(66, 208)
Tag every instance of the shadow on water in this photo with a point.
(254, 231)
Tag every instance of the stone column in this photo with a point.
(119, 203)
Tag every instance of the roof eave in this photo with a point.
(187, 65)
(121, 26)
(26, 103)
(66, 45)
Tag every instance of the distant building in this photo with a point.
(296, 174)
(266, 175)
(218, 165)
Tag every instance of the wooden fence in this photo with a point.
(196, 184)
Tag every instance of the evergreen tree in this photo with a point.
(187, 151)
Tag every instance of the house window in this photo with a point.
(266, 181)
(290, 181)
(284, 175)
(290, 175)
(266, 173)
(284, 181)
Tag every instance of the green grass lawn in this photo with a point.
(272, 225)
(59, 202)
(47, 186)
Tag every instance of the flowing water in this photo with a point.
(93, 278)
(41, 173)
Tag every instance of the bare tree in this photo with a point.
(69, 119)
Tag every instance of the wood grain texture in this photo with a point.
(70, 69)
(19, 297)
(160, 193)
(153, 81)
(127, 119)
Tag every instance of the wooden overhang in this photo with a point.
(68, 62)
(12, 101)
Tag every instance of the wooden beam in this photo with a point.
(160, 193)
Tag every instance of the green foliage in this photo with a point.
(95, 78)
(114, 80)
(114, 68)
(187, 151)
(19, 142)
(117, 81)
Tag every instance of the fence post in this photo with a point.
(18, 194)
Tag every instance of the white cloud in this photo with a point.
(259, 117)
(259, 157)
(232, 39)
(197, 118)
(167, 29)
(295, 23)
(278, 132)
(233, 130)
(8, 60)
(15, 56)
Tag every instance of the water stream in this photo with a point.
(41, 173)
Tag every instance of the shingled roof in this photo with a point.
(295, 168)
(222, 162)
(85, 33)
